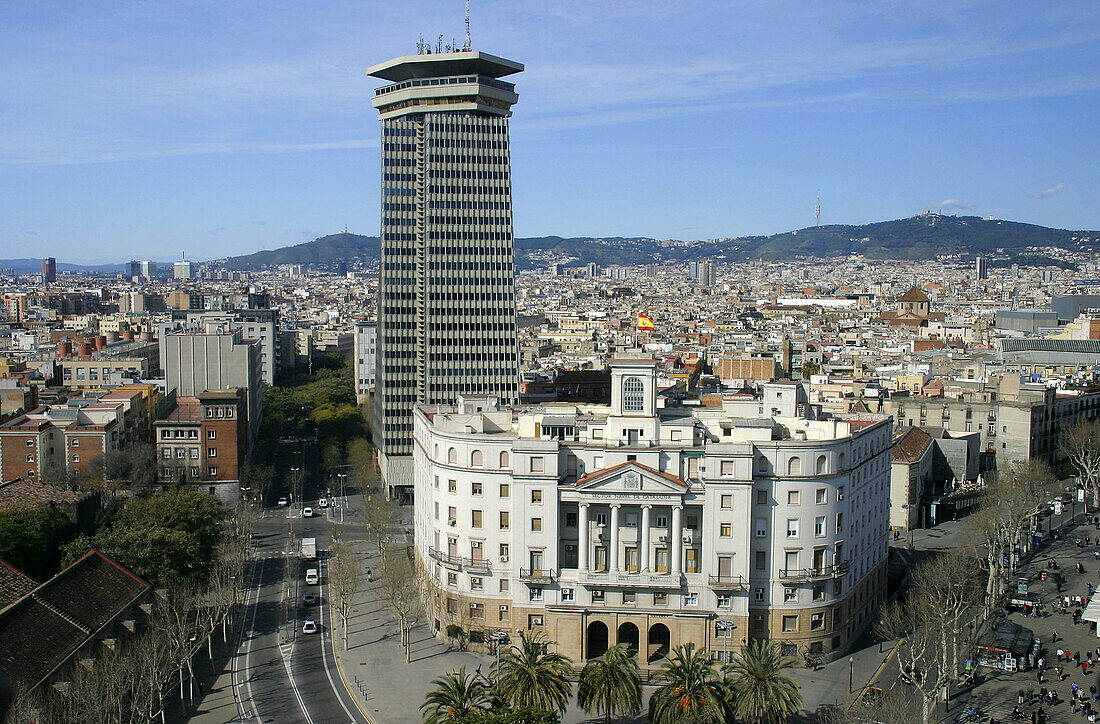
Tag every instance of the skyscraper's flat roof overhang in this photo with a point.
(434, 65)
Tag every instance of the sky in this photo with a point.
(215, 128)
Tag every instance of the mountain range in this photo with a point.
(925, 236)
(918, 237)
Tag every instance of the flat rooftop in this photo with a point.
(436, 65)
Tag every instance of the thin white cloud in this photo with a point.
(953, 204)
(1056, 189)
(152, 81)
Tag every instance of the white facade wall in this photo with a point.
(711, 524)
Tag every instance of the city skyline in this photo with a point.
(227, 130)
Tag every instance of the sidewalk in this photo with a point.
(996, 693)
(389, 690)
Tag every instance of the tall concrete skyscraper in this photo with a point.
(446, 296)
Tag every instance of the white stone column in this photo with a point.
(613, 546)
(644, 538)
(677, 539)
(582, 542)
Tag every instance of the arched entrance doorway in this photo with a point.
(659, 642)
(628, 634)
(597, 639)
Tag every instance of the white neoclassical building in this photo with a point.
(654, 524)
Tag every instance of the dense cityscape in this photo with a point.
(838, 474)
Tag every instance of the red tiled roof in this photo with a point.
(14, 584)
(42, 630)
(910, 444)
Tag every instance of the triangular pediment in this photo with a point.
(631, 478)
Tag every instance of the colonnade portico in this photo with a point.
(615, 542)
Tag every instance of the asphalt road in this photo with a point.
(280, 673)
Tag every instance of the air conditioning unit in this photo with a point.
(504, 559)
(687, 538)
(452, 523)
(663, 538)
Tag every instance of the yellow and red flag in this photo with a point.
(644, 323)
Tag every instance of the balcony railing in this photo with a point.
(629, 580)
(536, 574)
(478, 565)
(813, 574)
(727, 582)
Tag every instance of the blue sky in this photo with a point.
(147, 129)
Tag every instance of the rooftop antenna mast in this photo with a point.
(817, 210)
(466, 45)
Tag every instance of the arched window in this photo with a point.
(794, 466)
(452, 456)
(504, 462)
(762, 464)
(820, 464)
(476, 460)
(840, 462)
(436, 455)
(633, 395)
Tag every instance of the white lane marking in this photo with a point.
(324, 656)
(252, 635)
(286, 653)
(284, 650)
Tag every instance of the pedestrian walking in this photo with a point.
(1053, 635)
(1092, 692)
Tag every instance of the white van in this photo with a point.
(311, 576)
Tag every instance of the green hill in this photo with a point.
(918, 237)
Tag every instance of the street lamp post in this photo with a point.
(726, 627)
(851, 672)
(293, 486)
(343, 494)
(498, 638)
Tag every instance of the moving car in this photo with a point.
(282, 501)
(307, 512)
(310, 626)
(310, 599)
(311, 577)
(322, 503)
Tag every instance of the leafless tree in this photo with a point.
(257, 479)
(380, 515)
(897, 705)
(401, 592)
(346, 580)
(180, 627)
(929, 625)
(1081, 446)
(360, 462)
(1010, 506)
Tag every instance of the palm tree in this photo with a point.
(694, 690)
(532, 675)
(759, 688)
(455, 694)
(611, 683)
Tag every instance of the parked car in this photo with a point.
(310, 626)
(310, 599)
(307, 512)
